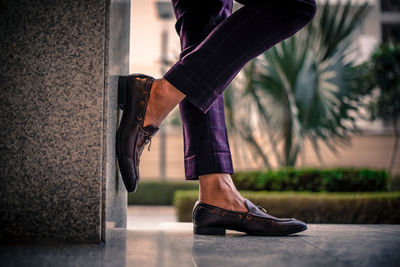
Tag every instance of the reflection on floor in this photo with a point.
(173, 244)
(149, 217)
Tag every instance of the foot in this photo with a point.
(218, 190)
(131, 137)
(163, 98)
(213, 220)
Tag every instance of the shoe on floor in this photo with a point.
(212, 220)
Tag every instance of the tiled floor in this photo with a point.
(173, 244)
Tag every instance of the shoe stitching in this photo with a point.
(252, 216)
(261, 208)
(142, 113)
(207, 206)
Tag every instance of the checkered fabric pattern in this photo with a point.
(206, 71)
(216, 45)
(206, 143)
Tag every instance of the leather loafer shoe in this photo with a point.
(133, 96)
(212, 220)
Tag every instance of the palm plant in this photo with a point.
(298, 90)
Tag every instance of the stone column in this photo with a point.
(58, 112)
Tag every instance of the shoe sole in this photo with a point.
(221, 231)
(122, 87)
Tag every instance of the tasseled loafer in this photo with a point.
(133, 96)
(211, 220)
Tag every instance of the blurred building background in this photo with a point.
(370, 149)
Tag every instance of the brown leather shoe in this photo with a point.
(133, 95)
(211, 220)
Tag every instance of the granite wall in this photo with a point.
(58, 64)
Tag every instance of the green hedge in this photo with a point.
(323, 207)
(394, 184)
(315, 180)
(158, 192)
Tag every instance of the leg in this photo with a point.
(201, 75)
(207, 152)
(205, 136)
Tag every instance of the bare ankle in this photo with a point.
(163, 98)
(219, 190)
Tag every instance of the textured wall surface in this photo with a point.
(56, 119)
(117, 60)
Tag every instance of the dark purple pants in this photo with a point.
(215, 47)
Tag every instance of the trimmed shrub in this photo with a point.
(394, 184)
(322, 207)
(315, 180)
(158, 192)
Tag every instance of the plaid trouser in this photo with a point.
(216, 45)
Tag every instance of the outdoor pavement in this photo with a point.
(174, 244)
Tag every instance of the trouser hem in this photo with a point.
(196, 165)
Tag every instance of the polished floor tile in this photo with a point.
(173, 244)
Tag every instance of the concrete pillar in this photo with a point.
(59, 62)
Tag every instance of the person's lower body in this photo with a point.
(206, 147)
(207, 155)
(215, 47)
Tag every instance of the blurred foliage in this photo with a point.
(382, 71)
(335, 180)
(332, 180)
(385, 67)
(312, 207)
(299, 89)
(394, 184)
(158, 192)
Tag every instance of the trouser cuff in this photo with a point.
(218, 162)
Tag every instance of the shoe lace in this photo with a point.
(146, 138)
